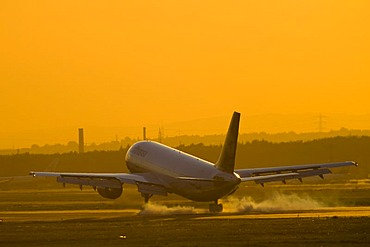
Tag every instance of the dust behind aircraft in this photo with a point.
(157, 169)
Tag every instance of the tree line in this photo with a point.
(257, 153)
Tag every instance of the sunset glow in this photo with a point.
(116, 64)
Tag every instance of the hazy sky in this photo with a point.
(131, 63)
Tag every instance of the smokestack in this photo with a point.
(144, 133)
(81, 140)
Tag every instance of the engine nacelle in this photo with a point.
(110, 193)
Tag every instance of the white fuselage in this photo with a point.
(172, 167)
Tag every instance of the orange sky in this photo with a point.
(67, 64)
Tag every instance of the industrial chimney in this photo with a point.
(144, 133)
(81, 140)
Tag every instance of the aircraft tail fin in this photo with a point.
(226, 161)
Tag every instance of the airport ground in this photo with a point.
(304, 215)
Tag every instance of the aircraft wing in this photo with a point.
(282, 173)
(107, 180)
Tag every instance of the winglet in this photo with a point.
(226, 161)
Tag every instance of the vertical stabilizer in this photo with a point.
(226, 161)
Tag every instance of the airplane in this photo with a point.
(157, 169)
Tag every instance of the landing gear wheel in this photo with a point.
(215, 208)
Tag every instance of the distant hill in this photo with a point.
(254, 126)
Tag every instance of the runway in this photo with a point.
(318, 213)
(196, 214)
(290, 217)
(131, 227)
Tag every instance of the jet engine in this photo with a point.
(110, 193)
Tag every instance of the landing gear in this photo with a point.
(146, 197)
(215, 207)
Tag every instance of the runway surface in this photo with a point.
(75, 218)
(197, 214)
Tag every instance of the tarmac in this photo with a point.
(200, 214)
